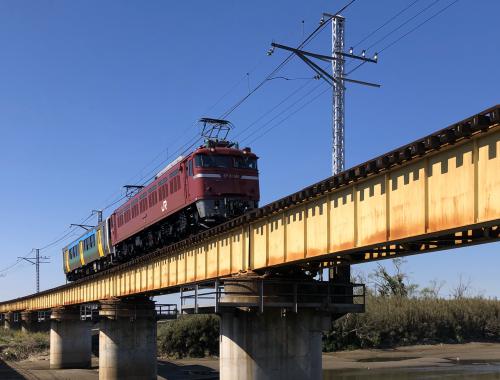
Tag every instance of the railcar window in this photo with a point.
(245, 163)
(190, 168)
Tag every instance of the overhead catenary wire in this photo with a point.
(69, 232)
(388, 46)
(265, 132)
(282, 112)
(418, 26)
(387, 22)
(387, 35)
(270, 110)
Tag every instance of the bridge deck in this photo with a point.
(438, 192)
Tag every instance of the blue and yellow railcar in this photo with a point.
(86, 254)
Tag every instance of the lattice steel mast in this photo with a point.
(36, 261)
(338, 138)
(337, 80)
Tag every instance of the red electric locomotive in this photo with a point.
(214, 183)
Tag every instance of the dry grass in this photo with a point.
(16, 345)
(395, 321)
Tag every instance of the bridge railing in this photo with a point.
(260, 293)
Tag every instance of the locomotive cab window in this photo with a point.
(245, 163)
(212, 161)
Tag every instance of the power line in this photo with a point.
(289, 115)
(386, 23)
(283, 111)
(408, 33)
(403, 24)
(419, 25)
(293, 93)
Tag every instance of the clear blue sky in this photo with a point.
(94, 95)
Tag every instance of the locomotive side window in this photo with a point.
(135, 208)
(143, 203)
(190, 168)
(163, 189)
(153, 196)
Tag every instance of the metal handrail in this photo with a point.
(325, 293)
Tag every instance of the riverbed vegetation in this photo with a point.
(189, 336)
(16, 345)
(399, 313)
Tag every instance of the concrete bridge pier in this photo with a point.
(11, 322)
(271, 329)
(272, 346)
(70, 339)
(29, 321)
(127, 339)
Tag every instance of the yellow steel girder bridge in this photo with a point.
(439, 192)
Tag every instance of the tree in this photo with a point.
(433, 290)
(463, 288)
(396, 284)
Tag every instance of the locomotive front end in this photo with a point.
(226, 182)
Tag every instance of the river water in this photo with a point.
(482, 370)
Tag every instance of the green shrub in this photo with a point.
(189, 336)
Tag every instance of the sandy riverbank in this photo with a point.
(348, 363)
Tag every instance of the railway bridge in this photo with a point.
(259, 272)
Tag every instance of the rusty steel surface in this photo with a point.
(439, 192)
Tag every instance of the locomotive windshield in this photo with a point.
(222, 161)
(212, 161)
